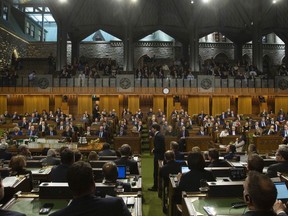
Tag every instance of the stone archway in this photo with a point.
(221, 58)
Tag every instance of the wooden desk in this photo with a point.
(226, 140)
(134, 142)
(267, 144)
(41, 174)
(193, 204)
(202, 141)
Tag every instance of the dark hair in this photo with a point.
(156, 127)
(67, 156)
(110, 171)
(261, 190)
(80, 178)
(169, 155)
(255, 162)
(106, 146)
(125, 150)
(78, 155)
(283, 151)
(213, 154)
(196, 161)
(174, 145)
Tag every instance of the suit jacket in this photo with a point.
(132, 164)
(32, 133)
(278, 167)
(172, 167)
(159, 146)
(190, 181)
(107, 152)
(58, 173)
(91, 205)
(199, 133)
(54, 133)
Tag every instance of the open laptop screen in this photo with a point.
(121, 172)
(282, 191)
(184, 169)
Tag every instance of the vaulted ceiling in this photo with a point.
(236, 19)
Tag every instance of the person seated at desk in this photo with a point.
(43, 129)
(201, 132)
(260, 195)
(59, 172)
(174, 146)
(17, 165)
(282, 162)
(92, 156)
(51, 158)
(110, 173)
(16, 132)
(24, 150)
(170, 132)
(102, 133)
(213, 156)
(122, 132)
(85, 203)
(68, 132)
(4, 154)
(190, 181)
(256, 163)
(269, 131)
(51, 131)
(224, 133)
(131, 164)
(89, 132)
(6, 212)
(183, 133)
(171, 167)
(230, 149)
(240, 143)
(32, 131)
(106, 151)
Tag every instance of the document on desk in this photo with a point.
(9, 181)
(193, 199)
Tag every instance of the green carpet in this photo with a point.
(152, 205)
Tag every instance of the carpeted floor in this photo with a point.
(152, 205)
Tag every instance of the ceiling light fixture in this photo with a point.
(206, 1)
(133, 1)
(274, 1)
(62, 1)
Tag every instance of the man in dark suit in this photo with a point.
(171, 167)
(213, 155)
(158, 151)
(282, 159)
(259, 194)
(201, 132)
(183, 133)
(85, 203)
(106, 151)
(59, 173)
(51, 131)
(102, 134)
(174, 146)
(125, 160)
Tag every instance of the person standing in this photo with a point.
(158, 151)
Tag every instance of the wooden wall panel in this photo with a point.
(170, 106)
(109, 102)
(197, 104)
(15, 103)
(36, 102)
(84, 104)
(281, 102)
(158, 102)
(58, 102)
(220, 104)
(133, 103)
(3, 104)
(245, 105)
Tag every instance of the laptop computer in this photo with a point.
(184, 169)
(282, 191)
(121, 172)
